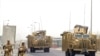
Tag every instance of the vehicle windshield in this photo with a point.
(80, 35)
(85, 36)
(39, 36)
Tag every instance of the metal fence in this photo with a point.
(57, 42)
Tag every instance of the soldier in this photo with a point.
(7, 49)
(22, 49)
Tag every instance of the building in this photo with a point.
(9, 33)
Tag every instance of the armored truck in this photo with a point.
(79, 42)
(39, 41)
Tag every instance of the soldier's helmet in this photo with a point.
(8, 41)
(23, 43)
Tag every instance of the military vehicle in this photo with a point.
(39, 41)
(79, 42)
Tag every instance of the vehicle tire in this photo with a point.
(46, 49)
(33, 50)
(30, 49)
(67, 53)
(87, 55)
(72, 53)
(92, 53)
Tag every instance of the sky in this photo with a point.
(50, 15)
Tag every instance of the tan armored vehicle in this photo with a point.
(39, 41)
(79, 42)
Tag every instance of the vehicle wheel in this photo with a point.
(71, 53)
(33, 50)
(87, 55)
(66, 53)
(92, 53)
(30, 49)
(46, 50)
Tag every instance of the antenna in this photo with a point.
(41, 23)
(32, 25)
(91, 20)
(69, 20)
(84, 15)
(7, 22)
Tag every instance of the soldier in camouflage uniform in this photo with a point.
(22, 49)
(7, 49)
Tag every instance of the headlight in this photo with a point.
(76, 40)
